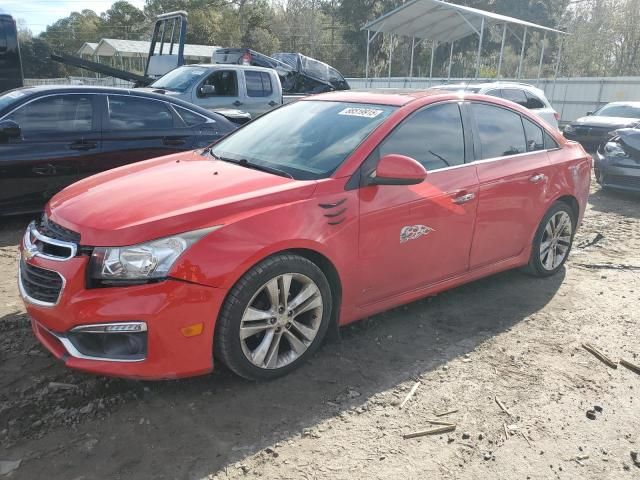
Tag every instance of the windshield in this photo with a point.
(180, 79)
(624, 111)
(306, 139)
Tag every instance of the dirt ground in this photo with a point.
(509, 336)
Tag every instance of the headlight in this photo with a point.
(569, 129)
(612, 149)
(149, 260)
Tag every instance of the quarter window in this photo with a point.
(433, 136)
(534, 134)
(189, 118)
(135, 113)
(258, 84)
(533, 101)
(55, 115)
(515, 95)
(500, 130)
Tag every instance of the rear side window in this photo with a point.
(55, 115)
(258, 84)
(533, 101)
(190, 118)
(433, 136)
(515, 95)
(494, 93)
(534, 134)
(500, 130)
(135, 113)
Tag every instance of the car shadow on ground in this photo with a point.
(195, 427)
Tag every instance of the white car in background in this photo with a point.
(522, 93)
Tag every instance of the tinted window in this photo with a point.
(432, 136)
(515, 95)
(56, 114)
(4, 29)
(501, 132)
(188, 117)
(224, 82)
(179, 79)
(258, 84)
(307, 139)
(534, 134)
(134, 113)
(494, 93)
(533, 101)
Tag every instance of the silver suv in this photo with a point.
(522, 93)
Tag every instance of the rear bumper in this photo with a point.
(167, 307)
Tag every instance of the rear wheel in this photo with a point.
(553, 240)
(274, 317)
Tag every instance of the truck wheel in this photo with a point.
(274, 318)
(553, 240)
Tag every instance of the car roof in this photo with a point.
(40, 90)
(381, 96)
(227, 65)
(630, 104)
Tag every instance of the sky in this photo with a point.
(37, 14)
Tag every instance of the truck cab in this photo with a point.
(255, 90)
(10, 62)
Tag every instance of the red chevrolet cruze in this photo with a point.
(322, 212)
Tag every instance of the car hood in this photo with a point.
(613, 122)
(168, 195)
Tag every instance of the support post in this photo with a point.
(450, 61)
(479, 48)
(524, 41)
(555, 73)
(413, 46)
(504, 36)
(366, 65)
(390, 59)
(433, 52)
(544, 38)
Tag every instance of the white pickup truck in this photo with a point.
(254, 90)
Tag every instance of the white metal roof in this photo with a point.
(441, 21)
(109, 47)
(87, 48)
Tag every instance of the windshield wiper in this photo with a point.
(246, 163)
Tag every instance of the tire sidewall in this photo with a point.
(228, 325)
(535, 264)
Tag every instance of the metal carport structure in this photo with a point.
(442, 22)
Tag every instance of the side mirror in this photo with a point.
(589, 113)
(9, 130)
(397, 170)
(206, 90)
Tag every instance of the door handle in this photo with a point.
(82, 145)
(537, 178)
(467, 197)
(273, 103)
(237, 103)
(173, 141)
(47, 169)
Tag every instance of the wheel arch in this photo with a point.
(572, 202)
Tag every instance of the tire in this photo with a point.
(544, 265)
(259, 334)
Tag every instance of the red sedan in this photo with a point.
(322, 212)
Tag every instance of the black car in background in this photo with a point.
(595, 129)
(10, 62)
(51, 137)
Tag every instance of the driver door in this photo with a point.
(221, 89)
(418, 235)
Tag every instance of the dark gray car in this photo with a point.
(617, 163)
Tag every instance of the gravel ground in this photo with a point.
(509, 337)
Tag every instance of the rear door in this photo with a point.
(413, 236)
(513, 171)
(261, 92)
(58, 133)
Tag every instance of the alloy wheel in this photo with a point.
(281, 320)
(556, 240)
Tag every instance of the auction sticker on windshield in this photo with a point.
(361, 112)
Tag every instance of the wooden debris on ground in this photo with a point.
(599, 355)
(502, 407)
(410, 394)
(630, 366)
(432, 431)
(449, 412)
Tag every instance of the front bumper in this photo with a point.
(611, 173)
(166, 307)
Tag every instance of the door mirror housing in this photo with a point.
(206, 90)
(396, 169)
(9, 130)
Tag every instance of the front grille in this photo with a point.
(622, 181)
(58, 232)
(40, 284)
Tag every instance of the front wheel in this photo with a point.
(274, 317)
(553, 240)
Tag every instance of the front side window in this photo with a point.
(500, 130)
(54, 115)
(135, 113)
(307, 139)
(433, 136)
(258, 84)
(515, 95)
(221, 83)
